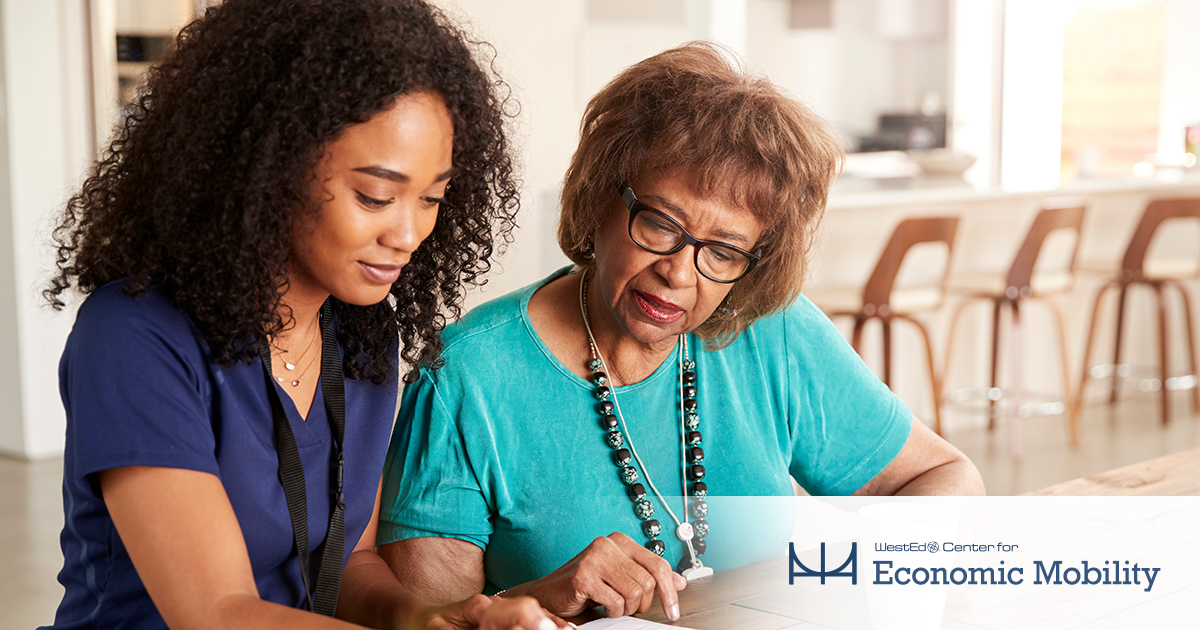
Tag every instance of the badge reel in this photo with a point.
(685, 532)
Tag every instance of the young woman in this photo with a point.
(292, 205)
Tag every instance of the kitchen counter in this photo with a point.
(863, 193)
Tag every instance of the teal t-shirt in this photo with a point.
(503, 445)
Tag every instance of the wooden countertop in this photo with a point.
(1177, 474)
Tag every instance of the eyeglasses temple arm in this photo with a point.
(627, 195)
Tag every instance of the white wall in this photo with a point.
(876, 56)
(555, 54)
(807, 61)
(974, 123)
(1180, 105)
(539, 54)
(38, 173)
(152, 17)
(1031, 138)
(12, 428)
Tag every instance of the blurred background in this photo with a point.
(975, 108)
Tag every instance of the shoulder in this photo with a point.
(498, 313)
(799, 343)
(809, 326)
(486, 345)
(110, 312)
(497, 319)
(799, 325)
(117, 331)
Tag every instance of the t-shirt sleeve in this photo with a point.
(847, 426)
(134, 384)
(430, 487)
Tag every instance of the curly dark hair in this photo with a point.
(197, 194)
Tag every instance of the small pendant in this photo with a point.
(684, 532)
(289, 366)
(296, 383)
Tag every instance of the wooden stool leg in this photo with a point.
(856, 338)
(1087, 345)
(1188, 325)
(1016, 426)
(935, 381)
(1162, 352)
(950, 337)
(1112, 398)
(887, 350)
(995, 362)
(1072, 414)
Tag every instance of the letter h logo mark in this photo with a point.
(851, 561)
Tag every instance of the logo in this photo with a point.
(797, 568)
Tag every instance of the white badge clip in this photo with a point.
(695, 573)
(698, 569)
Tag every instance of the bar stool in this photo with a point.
(1136, 269)
(1023, 281)
(880, 299)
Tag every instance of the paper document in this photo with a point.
(625, 623)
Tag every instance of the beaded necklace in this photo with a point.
(691, 533)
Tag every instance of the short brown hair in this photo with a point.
(693, 110)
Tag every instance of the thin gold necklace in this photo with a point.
(291, 367)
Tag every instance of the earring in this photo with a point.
(587, 251)
(725, 310)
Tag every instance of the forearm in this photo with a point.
(250, 611)
(371, 596)
(613, 571)
(955, 478)
(528, 589)
(439, 571)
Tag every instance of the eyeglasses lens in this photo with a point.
(656, 233)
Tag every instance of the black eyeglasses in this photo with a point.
(659, 234)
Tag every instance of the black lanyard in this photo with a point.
(291, 471)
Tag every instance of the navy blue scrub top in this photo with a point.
(140, 389)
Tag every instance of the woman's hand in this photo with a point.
(492, 613)
(614, 572)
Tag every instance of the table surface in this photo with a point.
(1177, 474)
(713, 602)
(732, 599)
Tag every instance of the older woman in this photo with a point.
(614, 413)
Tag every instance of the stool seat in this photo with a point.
(995, 283)
(1153, 269)
(837, 300)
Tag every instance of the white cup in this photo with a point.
(896, 605)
